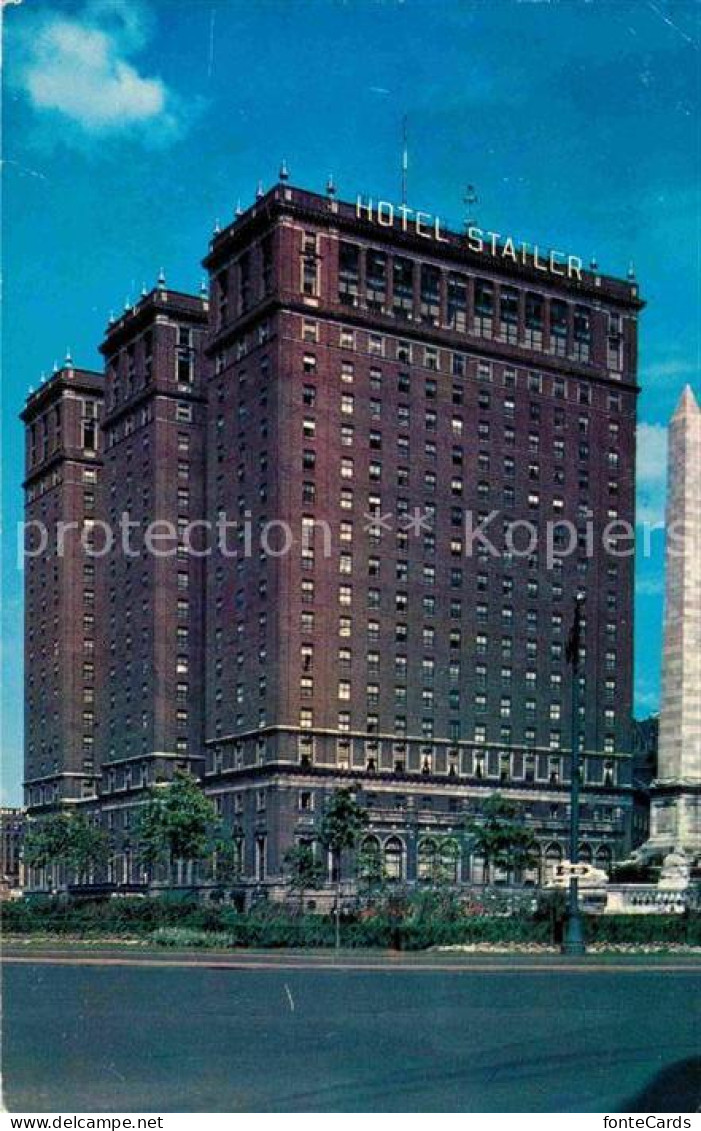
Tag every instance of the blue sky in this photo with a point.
(130, 127)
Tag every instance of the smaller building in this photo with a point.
(12, 825)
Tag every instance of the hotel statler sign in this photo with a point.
(479, 240)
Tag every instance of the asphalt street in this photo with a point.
(292, 1034)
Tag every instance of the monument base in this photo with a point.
(675, 823)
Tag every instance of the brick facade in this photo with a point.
(356, 390)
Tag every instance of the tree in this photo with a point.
(177, 823)
(501, 836)
(305, 871)
(67, 839)
(341, 826)
(370, 866)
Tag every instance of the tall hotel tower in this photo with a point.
(373, 388)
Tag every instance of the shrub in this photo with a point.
(680, 929)
(400, 921)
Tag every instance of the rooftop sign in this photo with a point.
(482, 241)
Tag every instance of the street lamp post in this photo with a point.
(573, 942)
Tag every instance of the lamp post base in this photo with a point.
(573, 940)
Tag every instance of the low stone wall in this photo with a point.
(645, 899)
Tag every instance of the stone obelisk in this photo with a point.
(675, 817)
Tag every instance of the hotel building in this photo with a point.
(360, 391)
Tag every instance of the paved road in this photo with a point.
(286, 1034)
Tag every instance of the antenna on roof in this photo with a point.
(405, 158)
(470, 199)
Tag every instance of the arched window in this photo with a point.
(585, 854)
(427, 858)
(450, 860)
(553, 857)
(603, 857)
(394, 858)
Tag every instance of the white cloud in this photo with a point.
(651, 472)
(79, 67)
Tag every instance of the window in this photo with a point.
(310, 270)
(484, 307)
(348, 273)
(430, 294)
(89, 427)
(431, 362)
(376, 279)
(457, 307)
(508, 315)
(184, 357)
(376, 345)
(403, 287)
(534, 321)
(558, 327)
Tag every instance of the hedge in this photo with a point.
(416, 925)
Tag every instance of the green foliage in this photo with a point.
(66, 838)
(304, 871)
(370, 868)
(632, 872)
(177, 823)
(342, 823)
(400, 921)
(642, 929)
(500, 835)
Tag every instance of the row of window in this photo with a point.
(132, 369)
(456, 365)
(371, 724)
(45, 433)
